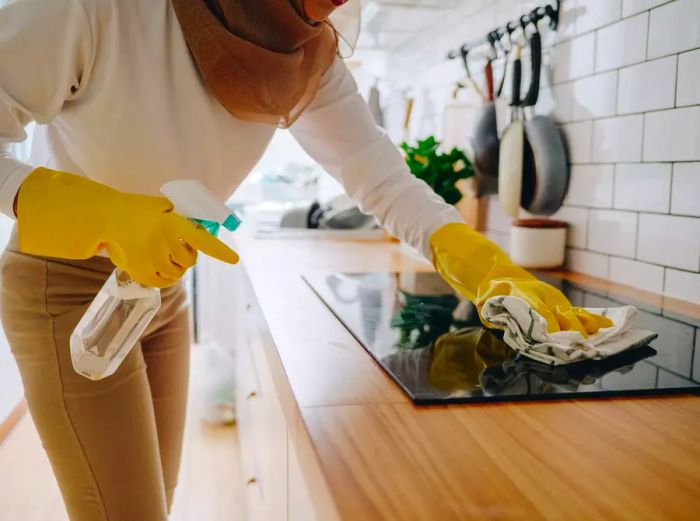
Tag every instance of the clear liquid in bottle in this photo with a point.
(112, 325)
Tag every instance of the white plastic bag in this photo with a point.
(218, 385)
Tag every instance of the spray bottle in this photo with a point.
(123, 308)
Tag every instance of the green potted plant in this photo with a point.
(440, 171)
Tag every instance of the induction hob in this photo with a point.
(431, 343)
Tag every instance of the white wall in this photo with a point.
(623, 79)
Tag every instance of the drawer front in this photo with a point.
(246, 390)
(261, 420)
(255, 506)
(271, 431)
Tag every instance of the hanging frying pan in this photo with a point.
(485, 142)
(510, 163)
(546, 173)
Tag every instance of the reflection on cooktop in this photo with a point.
(431, 342)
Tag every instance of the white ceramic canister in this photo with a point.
(538, 243)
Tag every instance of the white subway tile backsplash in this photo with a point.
(567, 21)
(685, 198)
(643, 186)
(573, 59)
(688, 92)
(622, 43)
(670, 240)
(587, 262)
(594, 97)
(556, 102)
(594, 13)
(647, 86)
(612, 232)
(577, 218)
(630, 7)
(590, 185)
(617, 139)
(578, 141)
(638, 274)
(685, 286)
(674, 27)
(622, 79)
(672, 135)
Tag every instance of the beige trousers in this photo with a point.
(114, 444)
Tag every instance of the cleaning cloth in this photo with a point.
(526, 332)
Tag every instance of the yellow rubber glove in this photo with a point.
(67, 216)
(459, 358)
(478, 269)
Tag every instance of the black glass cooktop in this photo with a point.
(431, 343)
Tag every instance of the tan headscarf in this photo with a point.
(261, 59)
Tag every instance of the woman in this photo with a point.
(131, 94)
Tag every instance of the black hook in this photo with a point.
(524, 21)
(492, 38)
(501, 33)
(553, 14)
(464, 52)
(535, 17)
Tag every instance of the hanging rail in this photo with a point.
(550, 12)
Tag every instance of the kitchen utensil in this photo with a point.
(511, 154)
(340, 213)
(301, 217)
(538, 243)
(470, 80)
(546, 170)
(485, 142)
(407, 120)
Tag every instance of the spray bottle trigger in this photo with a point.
(210, 226)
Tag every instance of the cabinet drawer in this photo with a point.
(255, 506)
(246, 390)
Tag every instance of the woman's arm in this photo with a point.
(338, 131)
(45, 55)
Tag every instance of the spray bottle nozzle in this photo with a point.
(192, 199)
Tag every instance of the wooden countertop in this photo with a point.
(384, 458)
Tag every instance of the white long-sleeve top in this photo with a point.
(117, 98)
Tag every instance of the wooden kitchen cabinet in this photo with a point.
(275, 486)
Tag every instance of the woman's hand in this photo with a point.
(67, 216)
(479, 270)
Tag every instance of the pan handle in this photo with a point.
(488, 72)
(517, 76)
(465, 60)
(533, 91)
